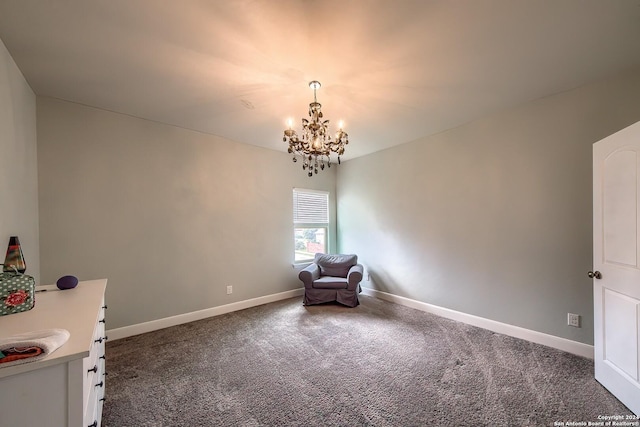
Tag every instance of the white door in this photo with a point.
(616, 264)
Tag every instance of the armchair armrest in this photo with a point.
(309, 274)
(354, 276)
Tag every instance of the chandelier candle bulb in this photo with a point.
(316, 145)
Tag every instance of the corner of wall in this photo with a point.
(19, 163)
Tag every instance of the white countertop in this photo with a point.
(73, 309)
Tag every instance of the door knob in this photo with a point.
(594, 274)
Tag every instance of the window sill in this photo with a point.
(301, 265)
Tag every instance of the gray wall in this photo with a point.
(493, 218)
(18, 164)
(169, 216)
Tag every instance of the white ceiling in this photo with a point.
(394, 71)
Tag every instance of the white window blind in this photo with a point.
(310, 207)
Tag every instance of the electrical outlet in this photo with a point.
(229, 290)
(573, 320)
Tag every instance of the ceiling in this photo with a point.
(394, 71)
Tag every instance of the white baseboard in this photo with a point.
(563, 344)
(153, 325)
(574, 347)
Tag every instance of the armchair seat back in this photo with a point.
(335, 265)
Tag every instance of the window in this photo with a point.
(310, 223)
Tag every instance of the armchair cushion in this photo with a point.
(330, 282)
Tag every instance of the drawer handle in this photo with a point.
(102, 321)
(94, 424)
(94, 369)
(100, 384)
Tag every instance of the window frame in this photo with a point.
(298, 224)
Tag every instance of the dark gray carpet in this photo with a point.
(379, 364)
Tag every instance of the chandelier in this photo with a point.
(316, 145)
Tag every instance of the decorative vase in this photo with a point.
(14, 256)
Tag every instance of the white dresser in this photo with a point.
(67, 388)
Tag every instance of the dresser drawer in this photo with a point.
(93, 410)
(94, 381)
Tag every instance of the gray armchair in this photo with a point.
(332, 278)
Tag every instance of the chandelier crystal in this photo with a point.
(316, 145)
